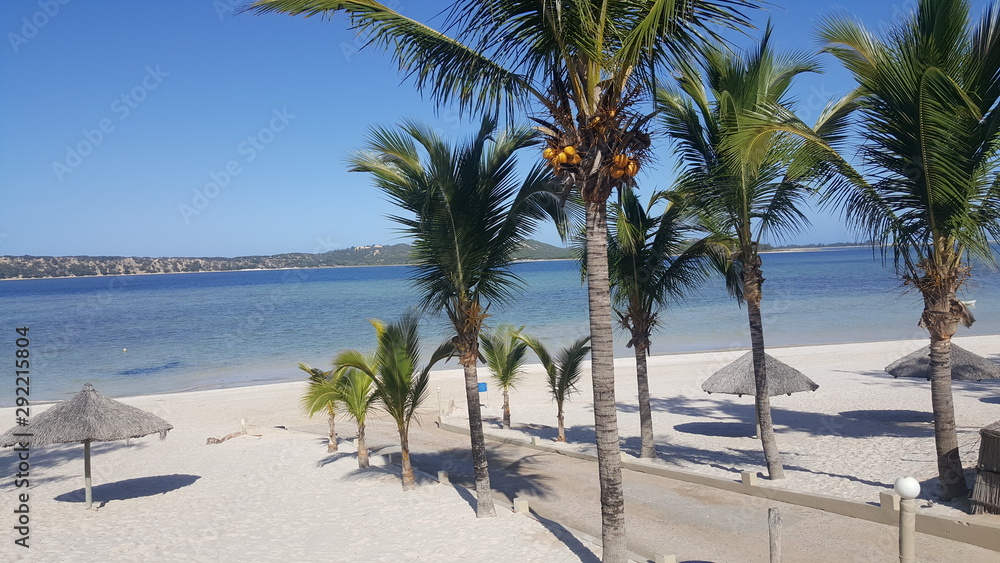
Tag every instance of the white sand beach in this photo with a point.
(276, 494)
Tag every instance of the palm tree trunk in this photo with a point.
(331, 446)
(409, 482)
(506, 409)
(560, 424)
(609, 461)
(752, 281)
(484, 497)
(942, 323)
(362, 447)
(645, 413)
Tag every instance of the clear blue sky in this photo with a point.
(114, 115)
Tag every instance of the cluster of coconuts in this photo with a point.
(566, 155)
(623, 165)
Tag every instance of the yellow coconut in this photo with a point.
(617, 173)
(548, 153)
(570, 150)
(621, 161)
(575, 159)
(632, 168)
(560, 158)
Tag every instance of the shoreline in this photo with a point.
(849, 439)
(625, 361)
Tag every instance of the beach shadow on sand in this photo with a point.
(731, 418)
(131, 488)
(512, 476)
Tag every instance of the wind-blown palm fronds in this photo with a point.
(505, 355)
(467, 214)
(653, 260)
(928, 95)
(351, 390)
(747, 162)
(321, 396)
(400, 385)
(562, 373)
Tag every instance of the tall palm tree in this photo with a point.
(928, 93)
(563, 372)
(400, 384)
(750, 185)
(652, 260)
(505, 355)
(586, 69)
(321, 397)
(467, 214)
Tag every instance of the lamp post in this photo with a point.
(907, 488)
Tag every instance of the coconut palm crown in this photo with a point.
(928, 96)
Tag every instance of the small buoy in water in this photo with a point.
(125, 350)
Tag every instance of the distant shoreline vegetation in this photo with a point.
(36, 267)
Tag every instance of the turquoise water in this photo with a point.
(189, 331)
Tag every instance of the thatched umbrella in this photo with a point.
(738, 378)
(87, 417)
(964, 365)
(985, 495)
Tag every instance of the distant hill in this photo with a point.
(24, 267)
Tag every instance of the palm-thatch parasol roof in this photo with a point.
(738, 378)
(964, 365)
(86, 417)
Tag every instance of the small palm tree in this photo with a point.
(321, 397)
(652, 259)
(505, 354)
(355, 393)
(467, 213)
(400, 385)
(563, 373)
(351, 390)
(929, 94)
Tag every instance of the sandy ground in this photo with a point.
(852, 437)
(277, 494)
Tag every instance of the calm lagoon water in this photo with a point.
(204, 330)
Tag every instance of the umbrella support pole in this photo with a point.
(88, 496)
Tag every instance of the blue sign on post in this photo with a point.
(482, 387)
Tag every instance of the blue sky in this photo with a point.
(118, 119)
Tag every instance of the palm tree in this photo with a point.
(929, 94)
(321, 396)
(400, 385)
(586, 68)
(652, 260)
(467, 214)
(505, 355)
(351, 389)
(749, 183)
(563, 373)
(355, 392)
